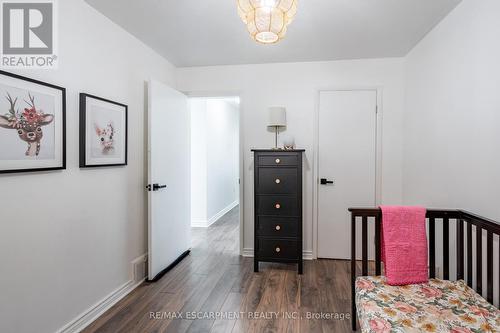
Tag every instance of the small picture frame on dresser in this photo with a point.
(278, 206)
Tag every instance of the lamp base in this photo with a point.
(276, 133)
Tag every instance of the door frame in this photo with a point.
(378, 151)
(239, 94)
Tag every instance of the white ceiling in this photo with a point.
(210, 32)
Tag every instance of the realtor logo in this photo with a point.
(28, 34)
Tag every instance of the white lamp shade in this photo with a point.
(277, 117)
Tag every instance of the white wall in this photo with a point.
(295, 86)
(67, 238)
(215, 150)
(223, 156)
(452, 116)
(198, 109)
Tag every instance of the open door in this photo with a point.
(168, 178)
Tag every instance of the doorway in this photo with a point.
(215, 169)
(347, 164)
(194, 168)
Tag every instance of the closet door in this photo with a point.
(347, 165)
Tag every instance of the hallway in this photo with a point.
(216, 290)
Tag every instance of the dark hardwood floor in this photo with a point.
(219, 288)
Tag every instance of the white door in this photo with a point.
(169, 168)
(347, 164)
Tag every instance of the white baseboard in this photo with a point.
(247, 252)
(139, 268)
(306, 255)
(201, 223)
(96, 310)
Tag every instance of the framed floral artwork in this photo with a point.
(32, 125)
(103, 132)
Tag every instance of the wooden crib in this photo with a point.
(465, 253)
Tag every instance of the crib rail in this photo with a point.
(465, 251)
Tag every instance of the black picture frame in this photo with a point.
(62, 165)
(83, 131)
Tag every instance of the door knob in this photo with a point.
(277, 181)
(325, 181)
(278, 228)
(277, 206)
(278, 250)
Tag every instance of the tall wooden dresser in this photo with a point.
(278, 206)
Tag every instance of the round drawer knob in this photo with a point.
(277, 206)
(278, 250)
(278, 228)
(278, 161)
(277, 181)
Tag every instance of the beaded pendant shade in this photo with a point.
(267, 20)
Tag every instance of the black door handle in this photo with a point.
(155, 187)
(325, 181)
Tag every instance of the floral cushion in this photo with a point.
(437, 306)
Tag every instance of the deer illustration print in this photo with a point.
(28, 124)
(105, 136)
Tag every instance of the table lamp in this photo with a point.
(277, 120)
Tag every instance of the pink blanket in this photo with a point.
(404, 245)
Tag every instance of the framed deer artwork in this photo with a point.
(32, 125)
(103, 132)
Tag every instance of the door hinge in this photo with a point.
(376, 109)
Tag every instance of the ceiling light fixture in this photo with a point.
(267, 20)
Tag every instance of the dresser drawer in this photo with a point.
(278, 205)
(277, 249)
(277, 160)
(277, 227)
(277, 181)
